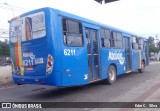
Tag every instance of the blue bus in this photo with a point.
(52, 47)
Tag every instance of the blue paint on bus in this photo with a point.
(68, 50)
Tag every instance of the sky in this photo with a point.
(141, 17)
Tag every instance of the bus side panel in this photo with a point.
(52, 79)
(75, 67)
(55, 49)
(74, 63)
(135, 60)
(121, 63)
(108, 57)
(104, 62)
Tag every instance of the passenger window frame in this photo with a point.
(116, 40)
(105, 38)
(136, 42)
(67, 32)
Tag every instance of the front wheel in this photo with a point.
(142, 67)
(111, 78)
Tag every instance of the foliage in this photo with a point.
(154, 49)
(151, 40)
(4, 48)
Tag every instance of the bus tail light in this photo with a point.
(50, 63)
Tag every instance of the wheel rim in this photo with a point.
(112, 74)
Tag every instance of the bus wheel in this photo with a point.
(111, 78)
(142, 67)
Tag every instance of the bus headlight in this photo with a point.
(50, 63)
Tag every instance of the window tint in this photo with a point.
(135, 46)
(102, 33)
(28, 27)
(107, 33)
(105, 37)
(119, 36)
(72, 33)
(16, 31)
(140, 43)
(116, 40)
(134, 40)
(110, 40)
(114, 35)
(136, 43)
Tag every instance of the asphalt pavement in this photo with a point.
(133, 87)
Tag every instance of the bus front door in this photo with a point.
(93, 54)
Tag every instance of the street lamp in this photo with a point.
(11, 8)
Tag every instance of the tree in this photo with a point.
(4, 48)
(159, 44)
(151, 40)
(154, 49)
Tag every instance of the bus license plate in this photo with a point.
(38, 60)
(29, 68)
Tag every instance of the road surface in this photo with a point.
(133, 87)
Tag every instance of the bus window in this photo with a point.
(88, 41)
(105, 37)
(16, 31)
(140, 43)
(135, 43)
(38, 25)
(116, 40)
(119, 40)
(28, 27)
(72, 33)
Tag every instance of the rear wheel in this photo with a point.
(19, 84)
(111, 78)
(142, 67)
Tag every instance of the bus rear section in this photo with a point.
(32, 63)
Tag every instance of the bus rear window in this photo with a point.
(16, 31)
(28, 27)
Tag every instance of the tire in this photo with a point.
(142, 68)
(111, 76)
(18, 84)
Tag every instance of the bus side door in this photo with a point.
(136, 54)
(127, 53)
(93, 54)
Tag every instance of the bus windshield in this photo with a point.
(28, 27)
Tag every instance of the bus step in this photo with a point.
(128, 71)
(94, 80)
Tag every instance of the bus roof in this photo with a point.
(69, 15)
